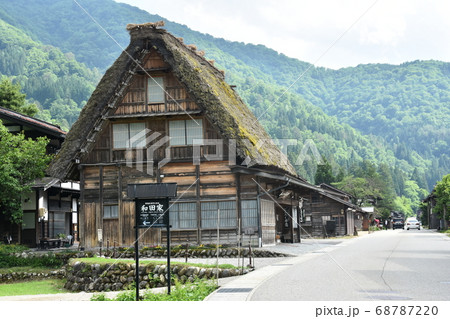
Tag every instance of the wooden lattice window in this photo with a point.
(183, 215)
(223, 212)
(185, 132)
(129, 135)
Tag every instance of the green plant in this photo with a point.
(12, 260)
(196, 291)
(14, 248)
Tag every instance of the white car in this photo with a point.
(412, 224)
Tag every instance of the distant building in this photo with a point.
(433, 221)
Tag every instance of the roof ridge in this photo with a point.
(153, 25)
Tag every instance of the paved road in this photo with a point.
(385, 265)
(261, 265)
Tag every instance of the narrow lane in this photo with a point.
(385, 265)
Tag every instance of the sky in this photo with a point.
(328, 33)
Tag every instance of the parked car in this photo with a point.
(412, 224)
(398, 223)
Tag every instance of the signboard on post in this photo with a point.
(152, 212)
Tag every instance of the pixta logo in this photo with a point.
(145, 150)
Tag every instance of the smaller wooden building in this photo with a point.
(330, 212)
(51, 206)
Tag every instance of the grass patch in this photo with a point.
(143, 262)
(47, 286)
(196, 291)
(447, 232)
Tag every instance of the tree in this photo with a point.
(12, 98)
(414, 193)
(360, 188)
(21, 162)
(403, 205)
(442, 191)
(324, 173)
(372, 186)
(384, 182)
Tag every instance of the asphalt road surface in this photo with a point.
(385, 265)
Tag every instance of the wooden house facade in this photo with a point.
(330, 212)
(434, 222)
(162, 113)
(50, 207)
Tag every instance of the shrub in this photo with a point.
(196, 291)
(8, 260)
(11, 249)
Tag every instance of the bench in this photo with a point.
(47, 243)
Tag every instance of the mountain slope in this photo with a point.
(401, 111)
(55, 81)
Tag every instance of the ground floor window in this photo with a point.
(110, 211)
(183, 215)
(325, 219)
(57, 221)
(339, 219)
(225, 211)
(249, 213)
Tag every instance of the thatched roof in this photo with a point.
(205, 83)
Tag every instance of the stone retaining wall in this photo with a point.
(119, 276)
(193, 253)
(95, 277)
(21, 276)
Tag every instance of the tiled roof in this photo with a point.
(33, 122)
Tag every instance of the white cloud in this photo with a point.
(329, 32)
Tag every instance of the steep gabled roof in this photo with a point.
(340, 200)
(206, 84)
(335, 190)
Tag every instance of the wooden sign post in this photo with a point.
(152, 210)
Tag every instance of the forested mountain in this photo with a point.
(398, 115)
(53, 80)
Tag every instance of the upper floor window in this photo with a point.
(155, 90)
(129, 135)
(184, 132)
